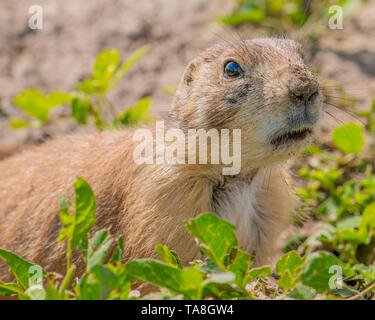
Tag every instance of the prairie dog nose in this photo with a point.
(304, 93)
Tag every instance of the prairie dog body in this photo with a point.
(260, 86)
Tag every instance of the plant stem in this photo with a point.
(66, 281)
(69, 256)
(370, 287)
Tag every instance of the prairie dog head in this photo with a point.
(261, 86)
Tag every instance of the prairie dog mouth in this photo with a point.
(290, 136)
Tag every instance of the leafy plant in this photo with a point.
(89, 101)
(340, 195)
(226, 273)
(287, 15)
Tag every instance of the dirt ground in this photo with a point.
(75, 31)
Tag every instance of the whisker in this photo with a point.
(344, 111)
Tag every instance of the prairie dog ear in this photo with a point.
(186, 84)
(189, 73)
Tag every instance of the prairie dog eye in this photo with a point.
(232, 69)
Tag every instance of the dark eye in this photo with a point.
(232, 69)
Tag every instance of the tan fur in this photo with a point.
(148, 204)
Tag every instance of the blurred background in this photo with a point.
(74, 32)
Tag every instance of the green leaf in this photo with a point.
(123, 284)
(51, 292)
(208, 266)
(18, 123)
(288, 267)
(134, 57)
(8, 289)
(349, 138)
(97, 284)
(256, 15)
(240, 267)
(260, 272)
(79, 110)
(221, 286)
(218, 237)
(79, 224)
(38, 105)
(316, 273)
(302, 292)
(368, 216)
(105, 66)
(88, 86)
(366, 271)
(23, 270)
(169, 257)
(136, 114)
(118, 252)
(98, 249)
(187, 281)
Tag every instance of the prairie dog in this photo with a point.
(262, 87)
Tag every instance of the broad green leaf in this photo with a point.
(367, 271)
(187, 281)
(349, 138)
(316, 273)
(208, 266)
(302, 292)
(218, 237)
(56, 98)
(351, 222)
(18, 123)
(99, 239)
(134, 57)
(240, 266)
(288, 267)
(169, 257)
(97, 284)
(136, 114)
(8, 289)
(38, 105)
(260, 272)
(105, 66)
(221, 286)
(79, 224)
(123, 284)
(24, 271)
(357, 229)
(88, 86)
